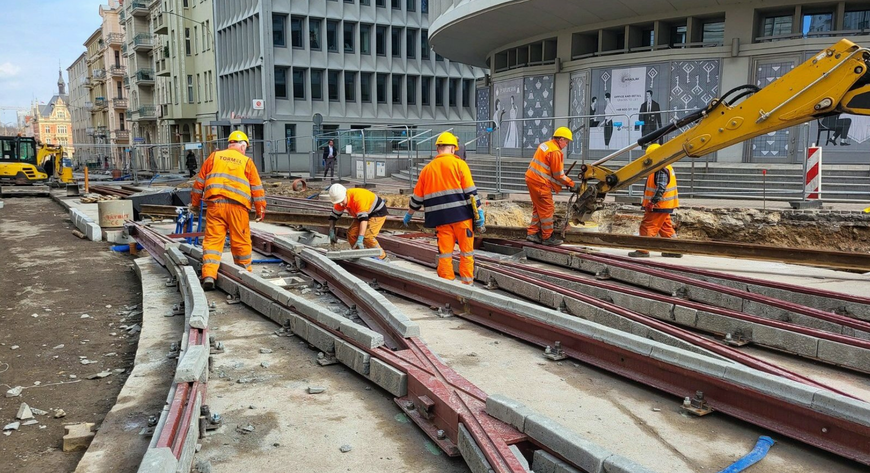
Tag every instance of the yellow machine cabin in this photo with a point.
(18, 166)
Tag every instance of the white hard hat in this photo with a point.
(337, 193)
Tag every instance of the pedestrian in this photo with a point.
(190, 162)
(447, 192)
(660, 198)
(368, 210)
(546, 175)
(229, 183)
(330, 154)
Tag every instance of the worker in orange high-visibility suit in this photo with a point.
(546, 175)
(229, 184)
(368, 210)
(660, 198)
(447, 193)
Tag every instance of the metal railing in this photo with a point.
(145, 75)
(118, 71)
(120, 103)
(115, 38)
(143, 39)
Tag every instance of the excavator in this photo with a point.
(833, 81)
(30, 168)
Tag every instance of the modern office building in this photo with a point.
(634, 64)
(290, 70)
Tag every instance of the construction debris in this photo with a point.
(14, 392)
(78, 436)
(24, 412)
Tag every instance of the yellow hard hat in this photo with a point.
(564, 132)
(653, 147)
(238, 135)
(447, 139)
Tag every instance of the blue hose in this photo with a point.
(761, 447)
(124, 248)
(267, 261)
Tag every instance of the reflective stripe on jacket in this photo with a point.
(443, 191)
(230, 175)
(362, 204)
(669, 199)
(547, 167)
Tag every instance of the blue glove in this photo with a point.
(359, 242)
(407, 219)
(480, 220)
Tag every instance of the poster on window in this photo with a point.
(507, 108)
(776, 145)
(627, 103)
(578, 107)
(483, 115)
(537, 103)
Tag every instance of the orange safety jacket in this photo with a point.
(230, 177)
(362, 204)
(547, 167)
(669, 200)
(443, 190)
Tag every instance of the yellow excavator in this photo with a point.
(31, 168)
(833, 81)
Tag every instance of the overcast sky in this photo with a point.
(34, 36)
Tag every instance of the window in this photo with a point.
(296, 32)
(411, 89)
(332, 36)
(198, 89)
(424, 6)
(121, 119)
(397, 89)
(776, 25)
(60, 114)
(815, 23)
(365, 87)
(451, 93)
(189, 88)
(204, 42)
(365, 39)
(290, 136)
(396, 41)
(195, 36)
(424, 44)
(316, 85)
(396, 4)
(411, 5)
(382, 88)
(467, 87)
(381, 3)
(678, 34)
(425, 90)
(348, 1)
(349, 86)
(299, 84)
(280, 83)
(381, 40)
(648, 37)
(365, 2)
(411, 43)
(439, 91)
(61, 129)
(314, 29)
(713, 32)
(187, 41)
(856, 20)
(185, 3)
(332, 86)
(348, 37)
(438, 57)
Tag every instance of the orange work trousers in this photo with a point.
(448, 236)
(542, 209)
(222, 218)
(656, 224)
(370, 238)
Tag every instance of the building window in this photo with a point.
(316, 85)
(332, 86)
(648, 37)
(411, 5)
(195, 36)
(61, 129)
(299, 84)
(411, 43)
(425, 90)
(856, 20)
(396, 4)
(279, 30)
(451, 93)
(381, 40)
(295, 33)
(396, 41)
(365, 2)
(189, 88)
(776, 25)
(348, 1)
(815, 23)
(438, 57)
(467, 87)
(365, 87)
(713, 31)
(397, 89)
(60, 114)
(365, 39)
(382, 88)
(381, 3)
(424, 44)
(411, 89)
(198, 89)
(439, 91)
(290, 136)
(280, 82)
(185, 3)
(348, 37)
(187, 41)
(424, 6)
(350, 86)
(332, 36)
(314, 29)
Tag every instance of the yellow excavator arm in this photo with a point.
(831, 82)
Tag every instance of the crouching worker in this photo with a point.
(368, 210)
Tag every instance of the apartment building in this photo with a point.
(80, 116)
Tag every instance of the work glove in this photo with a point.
(480, 219)
(359, 243)
(576, 187)
(407, 219)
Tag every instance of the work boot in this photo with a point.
(639, 254)
(672, 255)
(534, 238)
(208, 284)
(552, 241)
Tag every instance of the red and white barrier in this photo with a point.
(813, 178)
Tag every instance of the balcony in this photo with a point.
(162, 63)
(118, 71)
(101, 131)
(121, 135)
(89, 131)
(138, 9)
(161, 26)
(143, 42)
(145, 112)
(98, 75)
(100, 104)
(119, 103)
(124, 48)
(127, 82)
(145, 77)
(115, 39)
(122, 17)
(88, 83)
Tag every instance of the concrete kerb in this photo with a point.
(158, 460)
(193, 365)
(85, 224)
(471, 453)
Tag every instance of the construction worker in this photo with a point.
(447, 192)
(229, 183)
(368, 210)
(659, 201)
(545, 176)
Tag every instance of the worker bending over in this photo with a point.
(368, 210)
(447, 192)
(229, 184)
(545, 176)
(659, 201)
